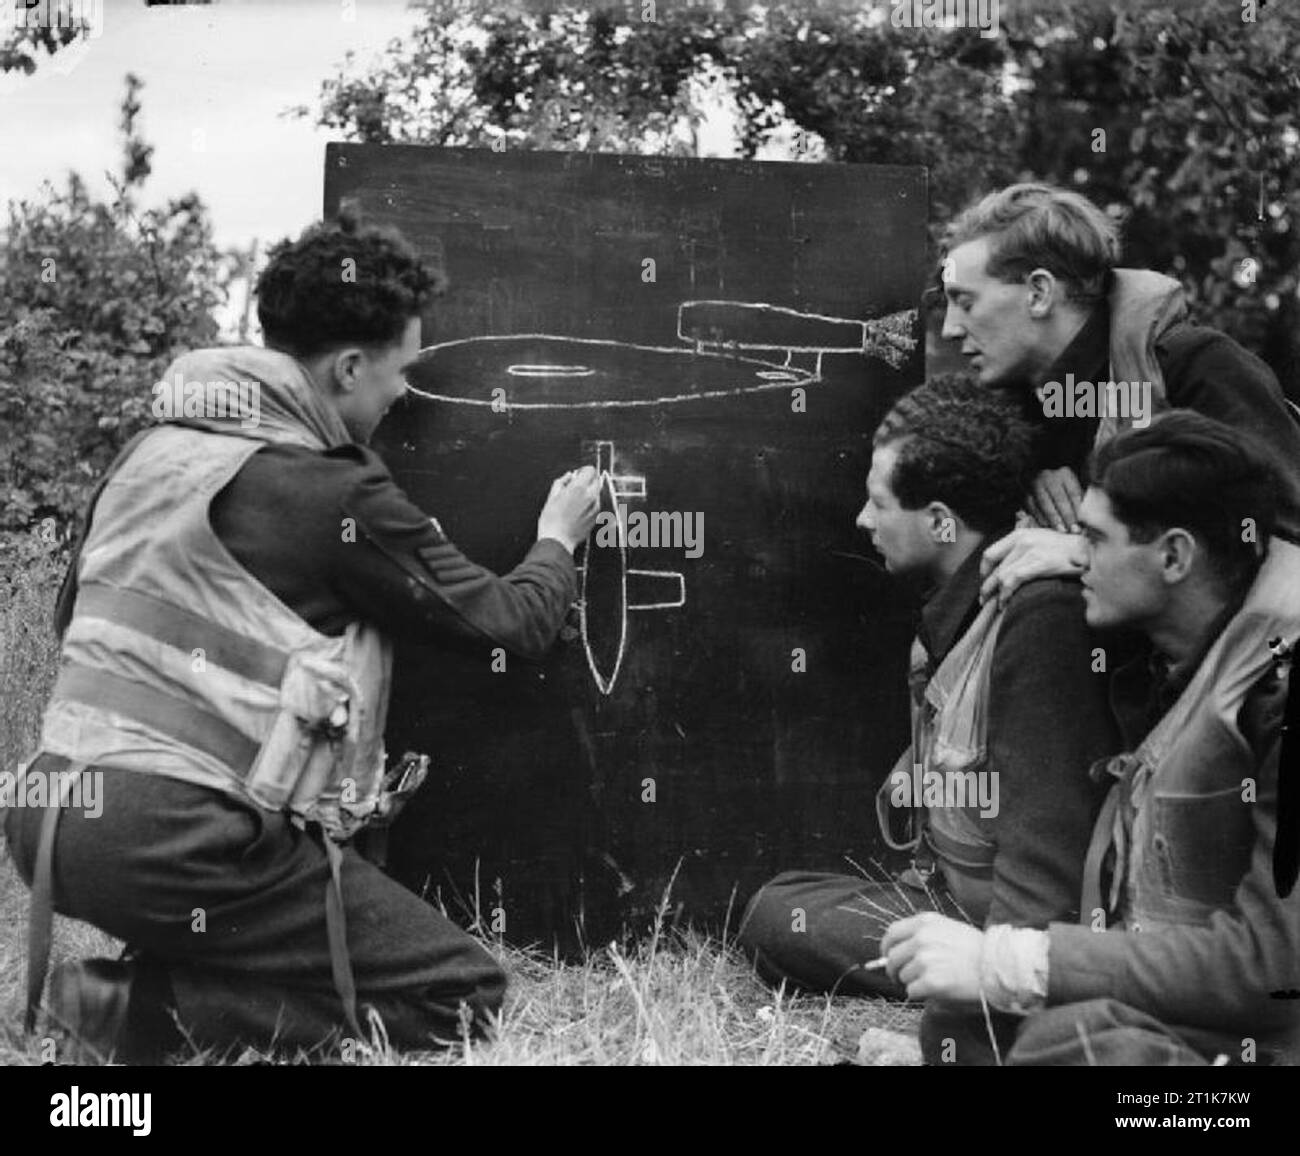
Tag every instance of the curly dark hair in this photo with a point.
(342, 284)
(1190, 471)
(962, 444)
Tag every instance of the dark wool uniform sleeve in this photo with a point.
(1209, 372)
(404, 575)
(1048, 722)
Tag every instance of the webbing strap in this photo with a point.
(40, 917)
(336, 929)
(957, 855)
(1091, 898)
(159, 711)
(174, 626)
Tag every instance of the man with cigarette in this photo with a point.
(1187, 950)
(226, 629)
(1008, 700)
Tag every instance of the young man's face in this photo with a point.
(1122, 582)
(902, 537)
(378, 379)
(999, 338)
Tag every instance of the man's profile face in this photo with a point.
(380, 380)
(991, 319)
(1122, 583)
(902, 537)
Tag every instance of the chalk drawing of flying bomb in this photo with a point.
(530, 371)
(534, 371)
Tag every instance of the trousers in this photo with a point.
(229, 900)
(815, 931)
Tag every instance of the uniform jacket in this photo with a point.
(1046, 722)
(1182, 853)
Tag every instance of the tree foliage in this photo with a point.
(1182, 118)
(96, 297)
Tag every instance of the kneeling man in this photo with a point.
(1184, 951)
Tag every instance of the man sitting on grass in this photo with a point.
(1185, 950)
(1008, 714)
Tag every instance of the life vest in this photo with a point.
(1191, 767)
(178, 662)
(1179, 825)
(950, 740)
(1144, 306)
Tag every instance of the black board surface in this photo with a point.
(720, 339)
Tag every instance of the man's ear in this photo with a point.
(1044, 292)
(1179, 552)
(941, 523)
(345, 368)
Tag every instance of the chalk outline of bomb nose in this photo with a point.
(613, 488)
(886, 339)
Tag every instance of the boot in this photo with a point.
(112, 1011)
(88, 1002)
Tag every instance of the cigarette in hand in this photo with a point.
(875, 964)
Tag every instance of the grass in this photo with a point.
(675, 998)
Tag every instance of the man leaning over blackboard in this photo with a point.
(1037, 303)
(993, 796)
(226, 632)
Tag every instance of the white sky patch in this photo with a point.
(217, 79)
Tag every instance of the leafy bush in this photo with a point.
(1198, 101)
(95, 299)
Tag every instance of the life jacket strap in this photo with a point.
(40, 917)
(159, 711)
(336, 929)
(971, 859)
(171, 625)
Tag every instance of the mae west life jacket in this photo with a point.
(1144, 306)
(949, 748)
(177, 661)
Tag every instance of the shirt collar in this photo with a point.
(950, 609)
(1088, 354)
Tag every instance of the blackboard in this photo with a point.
(720, 338)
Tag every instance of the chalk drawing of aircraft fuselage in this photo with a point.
(536, 371)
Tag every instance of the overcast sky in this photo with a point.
(217, 79)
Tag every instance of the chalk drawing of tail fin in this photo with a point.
(752, 325)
